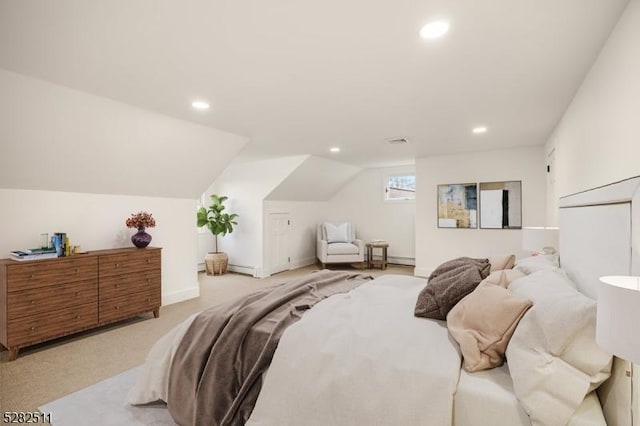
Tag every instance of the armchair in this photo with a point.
(339, 244)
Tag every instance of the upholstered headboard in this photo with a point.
(597, 238)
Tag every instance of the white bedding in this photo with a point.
(487, 398)
(362, 358)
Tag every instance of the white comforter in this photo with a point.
(362, 358)
(356, 358)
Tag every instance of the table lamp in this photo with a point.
(540, 239)
(618, 316)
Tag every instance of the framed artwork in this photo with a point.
(458, 205)
(501, 205)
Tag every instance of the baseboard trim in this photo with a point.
(422, 272)
(409, 261)
(247, 270)
(302, 262)
(181, 295)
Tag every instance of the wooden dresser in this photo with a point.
(44, 299)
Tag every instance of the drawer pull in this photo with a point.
(148, 299)
(117, 285)
(77, 270)
(31, 277)
(148, 280)
(117, 265)
(33, 328)
(148, 260)
(77, 316)
(117, 307)
(33, 302)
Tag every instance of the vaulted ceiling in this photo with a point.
(299, 76)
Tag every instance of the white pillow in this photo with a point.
(532, 264)
(553, 356)
(337, 232)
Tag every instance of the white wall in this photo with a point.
(97, 221)
(55, 138)
(598, 139)
(305, 215)
(361, 201)
(435, 245)
(247, 184)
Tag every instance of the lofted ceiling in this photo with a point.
(297, 76)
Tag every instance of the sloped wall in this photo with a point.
(76, 163)
(315, 179)
(55, 138)
(597, 140)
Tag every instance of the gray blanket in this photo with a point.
(216, 373)
(448, 284)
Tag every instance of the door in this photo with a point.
(279, 256)
(552, 198)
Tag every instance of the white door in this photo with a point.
(552, 200)
(279, 226)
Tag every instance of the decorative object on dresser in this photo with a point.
(218, 223)
(42, 300)
(141, 221)
(375, 244)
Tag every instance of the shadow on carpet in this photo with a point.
(105, 404)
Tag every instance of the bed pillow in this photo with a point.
(337, 232)
(540, 262)
(504, 278)
(448, 284)
(553, 356)
(482, 323)
(499, 263)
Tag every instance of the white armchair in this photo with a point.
(337, 243)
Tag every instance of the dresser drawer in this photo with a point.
(42, 273)
(135, 282)
(45, 326)
(115, 264)
(127, 305)
(51, 298)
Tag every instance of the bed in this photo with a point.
(333, 367)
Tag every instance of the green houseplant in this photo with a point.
(219, 223)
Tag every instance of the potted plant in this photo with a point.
(219, 223)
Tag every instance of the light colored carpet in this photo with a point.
(49, 371)
(105, 403)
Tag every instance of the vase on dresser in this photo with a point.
(141, 239)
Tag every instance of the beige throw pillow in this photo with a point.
(504, 278)
(502, 262)
(482, 323)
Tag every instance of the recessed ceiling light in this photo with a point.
(480, 129)
(435, 29)
(200, 105)
(335, 149)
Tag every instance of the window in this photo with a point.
(400, 187)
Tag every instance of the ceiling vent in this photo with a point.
(397, 141)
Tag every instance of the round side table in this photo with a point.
(383, 245)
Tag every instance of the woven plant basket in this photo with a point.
(216, 263)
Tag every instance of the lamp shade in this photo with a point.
(618, 316)
(537, 238)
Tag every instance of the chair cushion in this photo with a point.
(342, 248)
(337, 232)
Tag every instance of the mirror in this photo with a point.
(501, 205)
